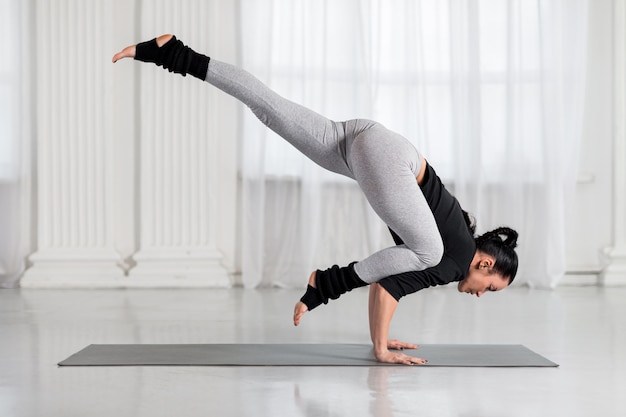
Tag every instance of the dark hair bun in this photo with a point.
(500, 243)
(510, 236)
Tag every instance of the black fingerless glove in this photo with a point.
(173, 56)
(331, 283)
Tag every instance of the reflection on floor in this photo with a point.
(582, 328)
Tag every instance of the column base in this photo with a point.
(74, 269)
(178, 268)
(615, 272)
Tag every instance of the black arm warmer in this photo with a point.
(174, 56)
(331, 283)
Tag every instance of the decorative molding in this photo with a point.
(74, 268)
(615, 271)
(178, 267)
(136, 167)
(179, 175)
(75, 196)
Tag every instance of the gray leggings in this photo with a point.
(384, 164)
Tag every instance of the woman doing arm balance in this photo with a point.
(434, 237)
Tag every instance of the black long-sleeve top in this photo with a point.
(458, 243)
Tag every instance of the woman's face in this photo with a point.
(481, 278)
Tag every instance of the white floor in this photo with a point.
(581, 328)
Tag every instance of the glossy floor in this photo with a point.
(581, 328)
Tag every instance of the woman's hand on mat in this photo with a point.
(398, 345)
(392, 357)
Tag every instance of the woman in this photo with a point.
(434, 237)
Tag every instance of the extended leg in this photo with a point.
(320, 139)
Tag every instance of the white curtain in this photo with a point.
(16, 137)
(490, 91)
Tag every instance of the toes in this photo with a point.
(298, 311)
(128, 52)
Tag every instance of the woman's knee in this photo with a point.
(434, 253)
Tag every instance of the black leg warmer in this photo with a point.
(174, 56)
(331, 283)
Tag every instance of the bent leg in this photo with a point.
(386, 165)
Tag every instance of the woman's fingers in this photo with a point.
(408, 360)
(400, 358)
(399, 345)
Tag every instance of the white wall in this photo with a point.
(136, 168)
(597, 211)
(589, 210)
(614, 272)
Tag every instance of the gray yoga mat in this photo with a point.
(299, 355)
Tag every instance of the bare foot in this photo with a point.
(301, 308)
(129, 51)
(298, 312)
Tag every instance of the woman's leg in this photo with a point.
(320, 139)
(385, 165)
(383, 162)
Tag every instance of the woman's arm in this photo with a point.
(381, 309)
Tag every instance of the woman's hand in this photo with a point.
(381, 309)
(386, 356)
(398, 345)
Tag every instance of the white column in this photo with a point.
(179, 175)
(75, 164)
(615, 272)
